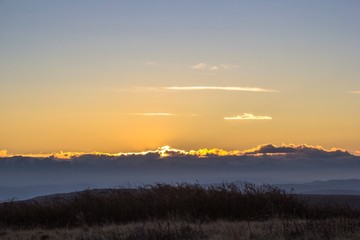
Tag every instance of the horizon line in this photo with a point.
(165, 151)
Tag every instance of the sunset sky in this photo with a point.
(115, 76)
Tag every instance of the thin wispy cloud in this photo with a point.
(248, 116)
(228, 66)
(212, 68)
(139, 89)
(152, 114)
(355, 92)
(162, 114)
(196, 88)
(151, 63)
(242, 89)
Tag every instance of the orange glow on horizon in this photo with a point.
(167, 151)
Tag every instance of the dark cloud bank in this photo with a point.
(265, 164)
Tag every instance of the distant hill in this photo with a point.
(349, 198)
(330, 187)
(27, 192)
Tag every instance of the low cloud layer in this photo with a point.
(263, 164)
(298, 151)
(248, 116)
(355, 92)
(167, 151)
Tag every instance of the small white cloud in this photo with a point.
(212, 68)
(248, 116)
(199, 66)
(242, 89)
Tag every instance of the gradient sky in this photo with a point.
(117, 76)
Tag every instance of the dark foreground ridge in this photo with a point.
(185, 202)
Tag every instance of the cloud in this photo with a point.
(355, 92)
(242, 89)
(196, 88)
(298, 150)
(212, 68)
(152, 63)
(200, 66)
(3, 153)
(265, 163)
(228, 66)
(162, 114)
(152, 114)
(167, 151)
(248, 116)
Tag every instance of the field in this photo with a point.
(179, 212)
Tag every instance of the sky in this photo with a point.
(117, 76)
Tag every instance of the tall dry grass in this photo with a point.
(276, 229)
(178, 212)
(161, 201)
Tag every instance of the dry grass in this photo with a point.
(182, 212)
(179, 230)
(161, 201)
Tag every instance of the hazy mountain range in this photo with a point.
(25, 177)
(343, 186)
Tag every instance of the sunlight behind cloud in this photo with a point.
(3, 153)
(167, 151)
(248, 116)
